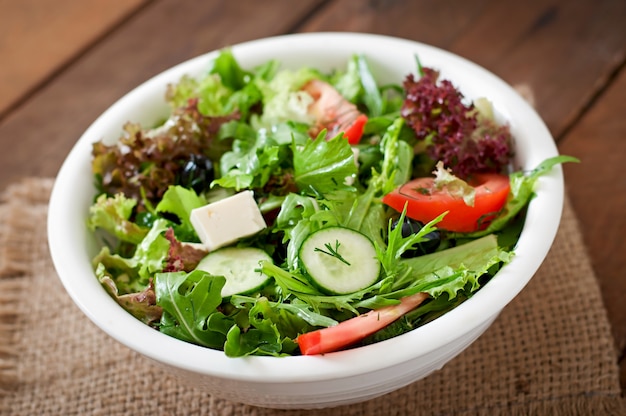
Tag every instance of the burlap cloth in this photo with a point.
(550, 351)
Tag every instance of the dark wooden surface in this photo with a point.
(61, 66)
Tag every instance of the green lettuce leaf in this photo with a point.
(322, 166)
(225, 88)
(187, 301)
(214, 98)
(133, 274)
(450, 270)
(112, 214)
(180, 202)
(273, 327)
(443, 273)
(142, 305)
(295, 308)
(252, 162)
(294, 221)
(365, 211)
(395, 169)
(283, 99)
(294, 284)
(230, 72)
(367, 215)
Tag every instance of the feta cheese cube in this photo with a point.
(223, 222)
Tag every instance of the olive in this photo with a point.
(429, 245)
(197, 173)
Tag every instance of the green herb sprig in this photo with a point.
(334, 252)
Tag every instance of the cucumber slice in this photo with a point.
(340, 260)
(240, 267)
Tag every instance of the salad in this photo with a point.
(286, 212)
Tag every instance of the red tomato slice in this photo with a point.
(425, 203)
(333, 112)
(354, 132)
(354, 330)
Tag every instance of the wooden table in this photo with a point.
(63, 62)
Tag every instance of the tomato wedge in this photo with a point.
(424, 202)
(353, 330)
(333, 112)
(354, 131)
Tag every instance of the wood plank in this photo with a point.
(166, 33)
(39, 37)
(537, 43)
(598, 193)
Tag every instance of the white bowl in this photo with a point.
(342, 377)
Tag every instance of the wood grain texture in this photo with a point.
(597, 188)
(38, 37)
(166, 33)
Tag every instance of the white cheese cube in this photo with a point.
(223, 222)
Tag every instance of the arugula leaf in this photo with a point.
(288, 282)
(261, 338)
(349, 303)
(323, 165)
(264, 340)
(220, 323)
(187, 301)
